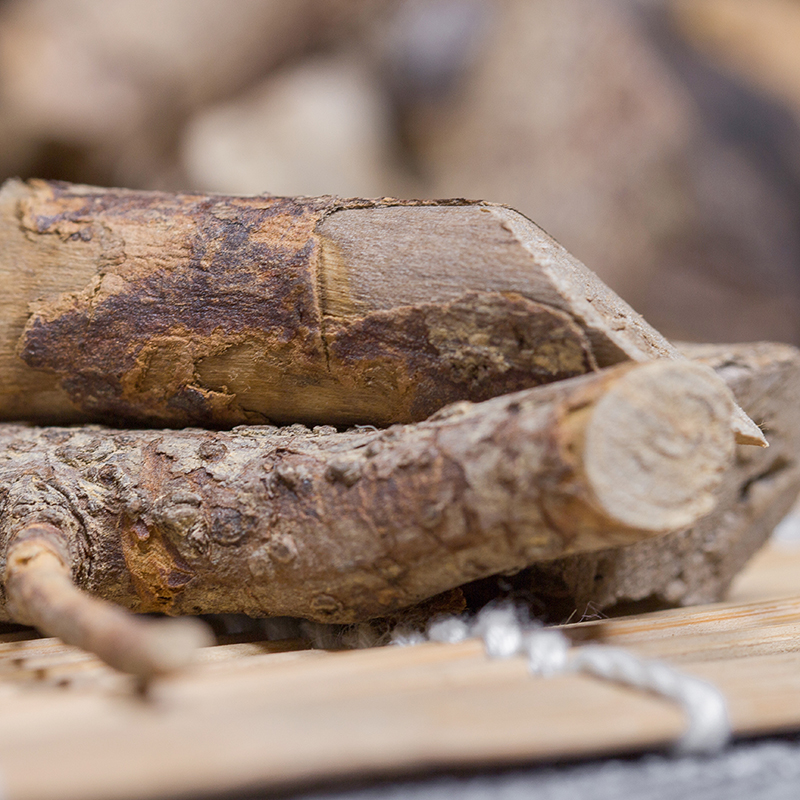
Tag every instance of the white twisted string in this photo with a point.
(506, 634)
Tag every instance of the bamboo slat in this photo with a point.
(268, 714)
(774, 572)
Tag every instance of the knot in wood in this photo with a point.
(180, 517)
(344, 470)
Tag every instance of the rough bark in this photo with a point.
(212, 310)
(341, 527)
(697, 565)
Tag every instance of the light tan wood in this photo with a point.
(376, 259)
(773, 573)
(263, 714)
(637, 464)
(371, 712)
(720, 631)
(696, 565)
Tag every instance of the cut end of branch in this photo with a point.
(41, 593)
(171, 644)
(658, 443)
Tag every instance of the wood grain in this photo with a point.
(268, 715)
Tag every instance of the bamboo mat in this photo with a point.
(271, 714)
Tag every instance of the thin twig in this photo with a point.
(41, 593)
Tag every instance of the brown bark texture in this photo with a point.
(342, 527)
(177, 309)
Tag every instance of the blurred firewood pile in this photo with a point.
(658, 141)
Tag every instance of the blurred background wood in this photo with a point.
(658, 140)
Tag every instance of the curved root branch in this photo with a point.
(41, 593)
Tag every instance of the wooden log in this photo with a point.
(697, 565)
(191, 309)
(342, 527)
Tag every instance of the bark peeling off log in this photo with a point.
(212, 310)
(348, 526)
(209, 310)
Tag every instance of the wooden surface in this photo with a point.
(273, 714)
